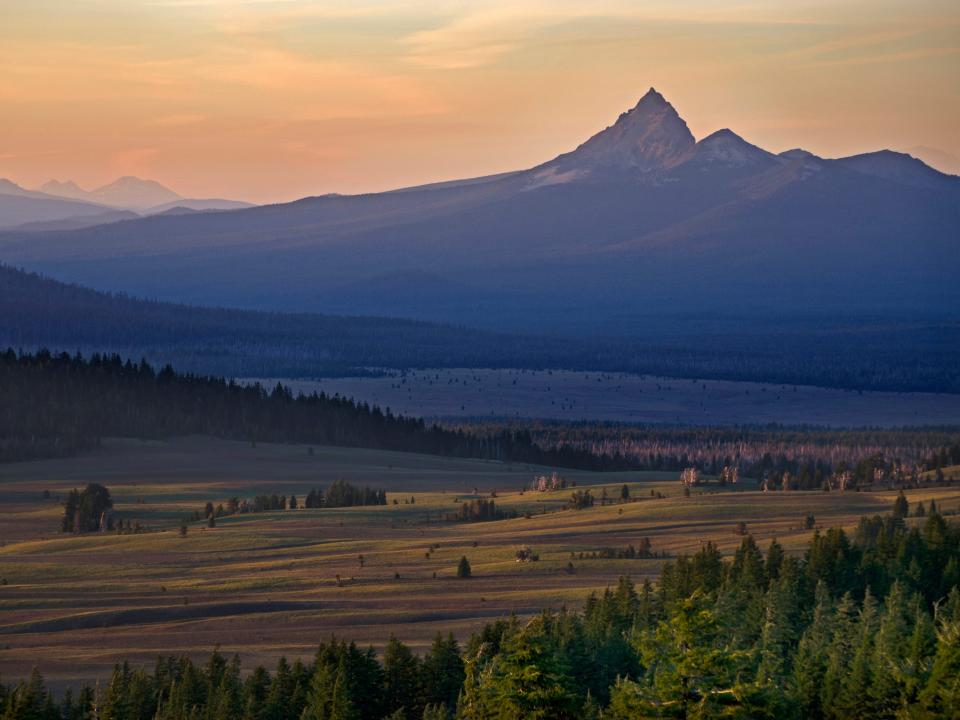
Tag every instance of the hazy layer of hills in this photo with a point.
(878, 354)
(641, 220)
(66, 206)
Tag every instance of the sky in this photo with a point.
(270, 100)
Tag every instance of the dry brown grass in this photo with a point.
(264, 585)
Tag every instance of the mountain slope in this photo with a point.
(639, 220)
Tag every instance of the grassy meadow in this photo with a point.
(276, 583)
(570, 396)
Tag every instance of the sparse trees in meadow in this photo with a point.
(690, 477)
(864, 626)
(580, 500)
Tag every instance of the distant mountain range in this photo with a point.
(65, 206)
(640, 224)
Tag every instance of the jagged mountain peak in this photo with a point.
(652, 97)
(651, 135)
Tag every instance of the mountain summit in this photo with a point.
(649, 136)
(126, 192)
(133, 192)
(638, 221)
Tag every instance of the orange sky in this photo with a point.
(270, 100)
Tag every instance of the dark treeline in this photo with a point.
(480, 509)
(809, 456)
(630, 552)
(340, 494)
(57, 405)
(944, 457)
(343, 494)
(860, 627)
(883, 354)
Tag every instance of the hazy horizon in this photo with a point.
(270, 101)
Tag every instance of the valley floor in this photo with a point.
(267, 584)
(574, 396)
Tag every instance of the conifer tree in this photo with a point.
(901, 508)
(839, 656)
(892, 638)
(780, 627)
(443, 672)
(402, 688)
(341, 702)
(810, 662)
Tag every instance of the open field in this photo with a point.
(572, 396)
(267, 584)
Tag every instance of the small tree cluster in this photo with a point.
(88, 510)
(580, 500)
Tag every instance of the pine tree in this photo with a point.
(688, 666)
(117, 703)
(775, 557)
(341, 702)
(277, 703)
(853, 700)
(443, 672)
(463, 568)
(901, 508)
(940, 697)
(810, 661)
(320, 693)
(530, 678)
(29, 701)
(839, 657)
(401, 680)
(780, 627)
(918, 655)
(887, 681)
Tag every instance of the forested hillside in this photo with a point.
(860, 627)
(38, 312)
(58, 405)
